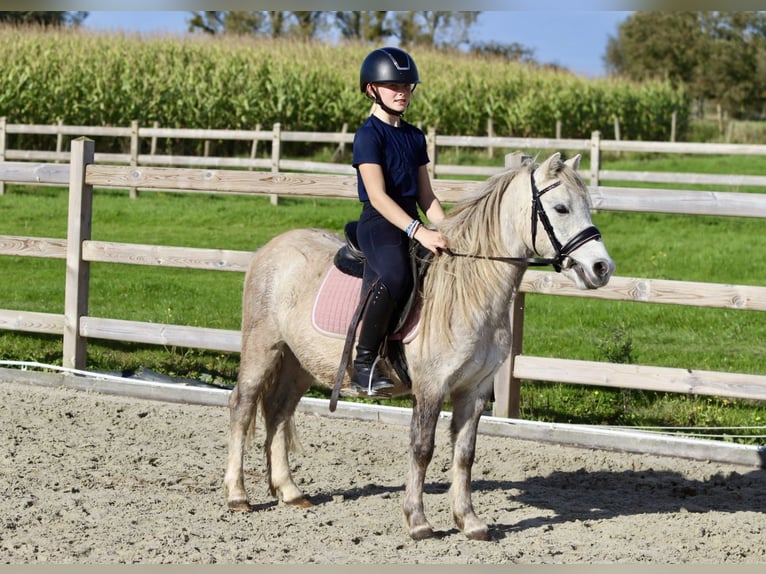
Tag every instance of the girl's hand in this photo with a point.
(431, 239)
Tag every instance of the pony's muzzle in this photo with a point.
(603, 268)
(600, 272)
(590, 276)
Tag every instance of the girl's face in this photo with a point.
(395, 96)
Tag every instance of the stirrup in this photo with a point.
(374, 388)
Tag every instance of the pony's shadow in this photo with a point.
(581, 495)
(368, 490)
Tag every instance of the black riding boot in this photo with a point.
(375, 322)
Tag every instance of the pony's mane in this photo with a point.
(460, 286)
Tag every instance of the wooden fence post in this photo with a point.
(719, 116)
(595, 157)
(134, 153)
(673, 121)
(507, 387)
(254, 148)
(340, 151)
(2, 149)
(276, 144)
(153, 148)
(431, 147)
(59, 137)
(490, 133)
(77, 270)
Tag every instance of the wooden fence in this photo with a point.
(83, 173)
(594, 148)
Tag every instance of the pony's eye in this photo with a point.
(561, 209)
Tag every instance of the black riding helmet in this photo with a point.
(387, 65)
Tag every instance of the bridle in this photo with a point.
(561, 259)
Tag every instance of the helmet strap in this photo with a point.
(378, 100)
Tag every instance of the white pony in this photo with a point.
(465, 332)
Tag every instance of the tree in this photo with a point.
(57, 19)
(274, 24)
(307, 24)
(734, 50)
(441, 29)
(228, 22)
(433, 27)
(656, 45)
(367, 26)
(513, 51)
(717, 56)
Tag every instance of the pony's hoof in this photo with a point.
(421, 532)
(240, 506)
(300, 502)
(479, 534)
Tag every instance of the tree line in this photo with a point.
(719, 57)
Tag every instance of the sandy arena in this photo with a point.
(93, 478)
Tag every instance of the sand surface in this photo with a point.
(93, 478)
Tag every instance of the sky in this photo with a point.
(574, 39)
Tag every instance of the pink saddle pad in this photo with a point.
(336, 301)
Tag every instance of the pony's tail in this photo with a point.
(251, 428)
(292, 443)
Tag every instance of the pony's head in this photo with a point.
(560, 223)
(494, 226)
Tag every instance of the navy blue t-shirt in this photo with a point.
(400, 151)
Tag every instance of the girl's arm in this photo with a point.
(428, 202)
(372, 175)
(374, 182)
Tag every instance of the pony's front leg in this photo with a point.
(467, 410)
(425, 414)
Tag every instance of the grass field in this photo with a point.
(694, 248)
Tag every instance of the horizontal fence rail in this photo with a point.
(84, 172)
(136, 133)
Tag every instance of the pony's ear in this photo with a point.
(574, 162)
(517, 160)
(550, 167)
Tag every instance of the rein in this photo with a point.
(562, 252)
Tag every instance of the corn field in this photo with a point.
(89, 78)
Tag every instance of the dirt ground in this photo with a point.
(92, 478)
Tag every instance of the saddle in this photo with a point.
(350, 259)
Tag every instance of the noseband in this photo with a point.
(561, 259)
(562, 252)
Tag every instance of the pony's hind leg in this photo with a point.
(258, 367)
(278, 407)
(466, 412)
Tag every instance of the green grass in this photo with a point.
(692, 248)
